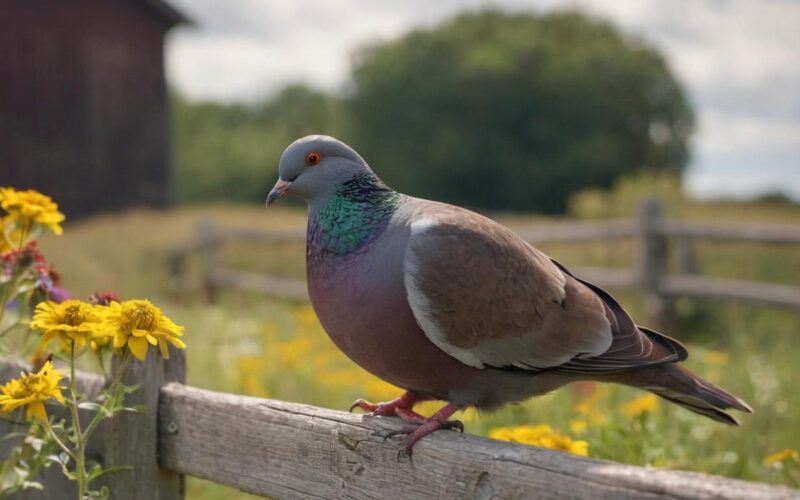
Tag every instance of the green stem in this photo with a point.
(58, 441)
(80, 456)
(112, 389)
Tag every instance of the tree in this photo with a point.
(516, 111)
(231, 152)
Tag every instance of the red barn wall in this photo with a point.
(83, 102)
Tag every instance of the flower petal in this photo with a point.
(36, 410)
(138, 347)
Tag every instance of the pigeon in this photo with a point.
(452, 306)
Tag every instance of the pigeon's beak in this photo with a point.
(278, 190)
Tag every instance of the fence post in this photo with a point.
(208, 243)
(132, 438)
(652, 262)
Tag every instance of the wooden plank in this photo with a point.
(579, 231)
(132, 437)
(289, 450)
(773, 234)
(260, 236)
(766, 294)
(286, 288)
(607, 277)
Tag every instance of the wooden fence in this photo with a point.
(654, 234)
(289, 450)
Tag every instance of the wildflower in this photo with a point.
(578, 426)
(785, 455)
(638, 406)
(137, 323)
(540, 435)
(74, 323)
(31, 390)
(26, 207)
(4, 244)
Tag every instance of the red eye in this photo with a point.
(313, 158)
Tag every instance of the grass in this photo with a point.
(265, 347)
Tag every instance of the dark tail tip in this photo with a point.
(678, 385)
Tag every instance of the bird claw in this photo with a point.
(453, 425)
(417, 432)
(380, 409)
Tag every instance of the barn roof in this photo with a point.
(168, 12)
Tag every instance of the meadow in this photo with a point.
(265, 347)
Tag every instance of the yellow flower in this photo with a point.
(644, 404)
(540, 435)
(32, 390)
(566, 444)
(782, 456)
(72, 321)
(31, 206)
(4, 245)
(578, 426)
(137, 323)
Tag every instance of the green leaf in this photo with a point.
(98, 471)
(32, 485)
(130, 388)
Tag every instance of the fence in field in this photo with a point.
(289, 450)
(654, 235)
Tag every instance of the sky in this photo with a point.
(739, 61)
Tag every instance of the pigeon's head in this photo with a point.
(313, 166)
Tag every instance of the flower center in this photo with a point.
(73, 316)
(28, 386)
(143, 318)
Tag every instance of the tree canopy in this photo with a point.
(231, 152)
(516, 111)
(494, 110)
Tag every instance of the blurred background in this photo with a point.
(151, 122)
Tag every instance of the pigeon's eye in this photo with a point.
(313, 158)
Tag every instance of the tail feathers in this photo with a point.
(678, 385)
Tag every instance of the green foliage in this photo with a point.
(516, 110)
(231, 152)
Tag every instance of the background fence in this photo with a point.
(655, 236)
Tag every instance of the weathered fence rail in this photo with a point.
(289, 450)
(655, 237)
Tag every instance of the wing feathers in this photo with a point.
(486, 297)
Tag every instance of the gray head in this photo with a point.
(313, 166)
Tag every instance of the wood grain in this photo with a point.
(289, 450)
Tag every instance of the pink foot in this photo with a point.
(439, 420)
(401, 407)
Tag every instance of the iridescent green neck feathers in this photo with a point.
(351, 217)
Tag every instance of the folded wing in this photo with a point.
(488, 298)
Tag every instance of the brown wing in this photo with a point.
(486, 297)
(633, 346)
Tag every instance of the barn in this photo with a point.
(84, 110)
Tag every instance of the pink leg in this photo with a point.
(425, 426)
(404, 403)
(437, 421)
